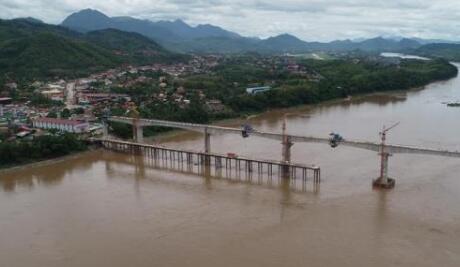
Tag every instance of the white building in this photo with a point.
(71, 126)
(255, 90)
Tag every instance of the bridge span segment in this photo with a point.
(286, 140)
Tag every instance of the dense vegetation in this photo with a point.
(40, 148)
(49, 55)
(339, 78)
(132, 47)
(447, 51)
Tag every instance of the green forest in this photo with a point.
(342, 78)
(339, 78)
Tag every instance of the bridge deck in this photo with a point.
(212, 129)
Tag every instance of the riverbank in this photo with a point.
(46, 162)
(20, 152)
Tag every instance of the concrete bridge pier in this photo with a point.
(105, 130)
(384, 181)
(207, 147)
(286, 154)
(138, 133)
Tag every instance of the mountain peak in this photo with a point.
(285, 37)
(87, 20)
(180, 22)
(31, 20)
(89, 11)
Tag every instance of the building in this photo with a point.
(101, 97)
(54, 94)
(4, 101)
(256, 90)
(71, 126)
(215, 105)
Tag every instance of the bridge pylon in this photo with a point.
(207, 146)
(138, 131)
(286, 149)
(286, 154)
(384, 181)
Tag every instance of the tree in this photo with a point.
(65, 113)
(52, 114)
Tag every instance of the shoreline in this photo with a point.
(231, 121)
(223, 122)
(46, 162)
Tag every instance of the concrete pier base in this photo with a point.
(380, 183)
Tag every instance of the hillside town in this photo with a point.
(72, 105)
(76, 105)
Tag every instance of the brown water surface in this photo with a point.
(108, 209)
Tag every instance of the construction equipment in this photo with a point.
(335, 139)
(246, 130)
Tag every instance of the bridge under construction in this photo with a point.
(287, 141)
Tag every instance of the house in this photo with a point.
(256, 90)
(71, 126)
(215, 105)
(54, 94)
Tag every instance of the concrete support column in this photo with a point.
(139, 134)
(383, 180)
(105, 130)
(207, 146)
(207, 141)
(286, 154)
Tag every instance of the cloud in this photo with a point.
(308, 19)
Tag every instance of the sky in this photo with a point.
(310, 20)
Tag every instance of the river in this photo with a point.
(108, 209)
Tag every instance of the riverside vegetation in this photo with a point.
(40, 148)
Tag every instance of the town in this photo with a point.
(75, 106)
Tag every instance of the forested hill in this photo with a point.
(447, 51)
(34, 50)
(133, 46)
(48, 54)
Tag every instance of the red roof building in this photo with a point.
(71, 126)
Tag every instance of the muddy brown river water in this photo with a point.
(108, 209)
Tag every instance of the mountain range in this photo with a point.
(88, 41)
(180, 37)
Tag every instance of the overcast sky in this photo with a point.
(310, 20)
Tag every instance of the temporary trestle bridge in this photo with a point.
(218, 161)
(287, 141)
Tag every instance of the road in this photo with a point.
(70, 94)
